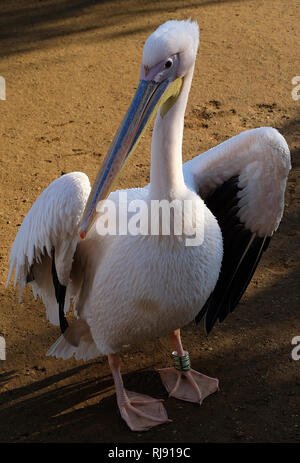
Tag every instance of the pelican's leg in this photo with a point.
(140, 412)
(182, 382)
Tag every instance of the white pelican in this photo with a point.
(127, 289)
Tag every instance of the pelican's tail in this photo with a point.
(77, 339)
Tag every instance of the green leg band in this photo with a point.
(181, 362)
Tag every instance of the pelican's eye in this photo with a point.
(168, 63)
(166, 69)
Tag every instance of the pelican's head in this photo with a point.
(169, 54)
(170, 51)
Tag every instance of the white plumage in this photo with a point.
(129, 289)
(261, 159)
(52, 222)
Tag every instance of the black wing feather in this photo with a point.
(242, 252)
(60, 294)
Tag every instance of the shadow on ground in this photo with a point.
(26, 26)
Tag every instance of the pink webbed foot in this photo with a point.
(142, 412)
(191, 385)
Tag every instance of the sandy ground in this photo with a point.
(71, 68)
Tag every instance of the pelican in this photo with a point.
(129, 288)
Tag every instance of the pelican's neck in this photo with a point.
(166, 175)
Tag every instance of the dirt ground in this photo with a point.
(71, 68)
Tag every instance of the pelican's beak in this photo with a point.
(149, 96)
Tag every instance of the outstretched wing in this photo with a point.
(242, 182)
(43, 250)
